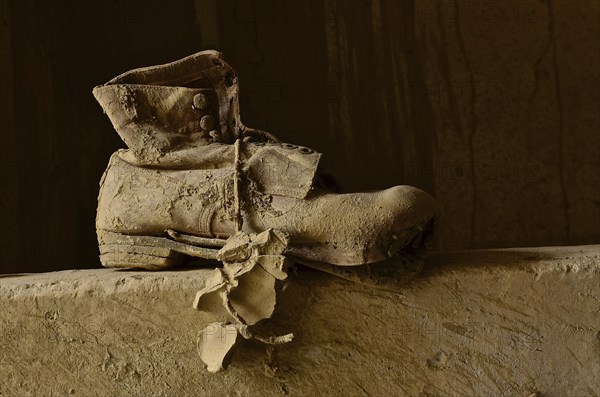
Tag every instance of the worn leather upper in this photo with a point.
(185, 115)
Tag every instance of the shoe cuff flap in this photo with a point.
(207, 68)
(282, 169)
(185, 114)
(165, 105)
(279, 169)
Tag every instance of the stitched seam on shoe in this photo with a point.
(205, 219)
(146, 87)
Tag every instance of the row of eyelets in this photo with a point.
(207, 122)
(306, 150)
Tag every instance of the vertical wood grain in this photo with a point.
(8, 176)
(491, 106)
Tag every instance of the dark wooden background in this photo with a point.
(491, 106)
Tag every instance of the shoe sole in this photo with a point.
(146, 252)
(155, 253)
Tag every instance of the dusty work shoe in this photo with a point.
(193, 175)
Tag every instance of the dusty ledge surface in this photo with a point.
(479, 323)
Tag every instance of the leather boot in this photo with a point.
(193, 175)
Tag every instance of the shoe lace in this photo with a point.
(248, 135)
(239, 220)
(253, 135)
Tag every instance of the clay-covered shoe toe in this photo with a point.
(359, 228)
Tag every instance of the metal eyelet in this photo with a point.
(215, 136)
(289, 146)
(207, 122)
(200, 101)
(229, 80)
(306, 150)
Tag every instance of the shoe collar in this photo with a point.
(202, 70)
(207, 68)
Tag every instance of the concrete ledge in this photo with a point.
(480, 323)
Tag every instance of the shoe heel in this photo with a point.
(146, 252)
(125, 251)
